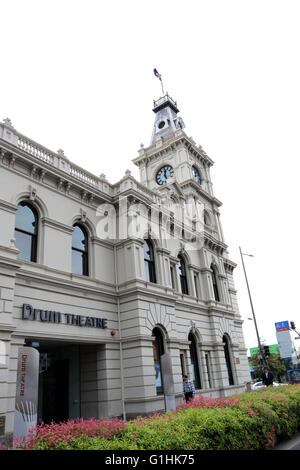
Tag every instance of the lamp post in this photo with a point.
(253, 314)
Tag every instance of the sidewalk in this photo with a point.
(290, 444)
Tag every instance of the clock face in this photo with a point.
(163, 174)
(196, 175)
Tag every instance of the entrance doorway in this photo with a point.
(59, 381)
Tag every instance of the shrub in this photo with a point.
(252, 420)
(56, 435)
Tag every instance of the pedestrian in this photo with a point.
(267, 377)
(188, 389)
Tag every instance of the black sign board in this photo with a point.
(2, 425)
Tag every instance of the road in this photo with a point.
(291, 444)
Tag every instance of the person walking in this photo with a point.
(188, 389)
(267, 377)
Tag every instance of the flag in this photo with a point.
(158, 75)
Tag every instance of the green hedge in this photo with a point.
(253, 420)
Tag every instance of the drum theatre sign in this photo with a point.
(49, 316)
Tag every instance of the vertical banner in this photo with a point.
(27, 391)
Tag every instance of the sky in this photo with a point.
(78, 76)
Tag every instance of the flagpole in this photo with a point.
(161, 82)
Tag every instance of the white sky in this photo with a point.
(78, 75)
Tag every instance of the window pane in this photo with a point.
(215, 286)
(24, 244)
(228, 361)
(147, 272)
(196, 285)
(180, 266)
(149, 262)
(184, 288)
(172, 277)
(194, 363)
(79, 239)
(77, 262)
(157, 367)
(25, 219)
(147, 251)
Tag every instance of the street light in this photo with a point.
(253, 314)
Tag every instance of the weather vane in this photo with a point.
(158, 75)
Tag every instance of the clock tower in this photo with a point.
(174, 165)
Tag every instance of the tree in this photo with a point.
(275, 364)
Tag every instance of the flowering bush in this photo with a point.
(51, 436)
(252, 420)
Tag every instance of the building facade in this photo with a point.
(111, 281)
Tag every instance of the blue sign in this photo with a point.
(282, 325)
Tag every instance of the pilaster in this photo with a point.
(8, 345)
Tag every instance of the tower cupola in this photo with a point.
(166, 119)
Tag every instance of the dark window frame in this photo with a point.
(149, 262)
(158, 351)
(194, 361)
(228, 360)
(215, 284)
(83, 252)
(33, 235)
(182, 275)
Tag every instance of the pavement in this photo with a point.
(290, 444)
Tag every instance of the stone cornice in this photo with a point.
(46, 221)
(199, 189)
(54, 278)
(213, 244)
(8, 206)
(170, 143)
(38, 168)
(229, 266)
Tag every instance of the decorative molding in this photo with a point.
(47, 222)
(8, 206)
(157, 314)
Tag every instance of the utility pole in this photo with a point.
(262, 356)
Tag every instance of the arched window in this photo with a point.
(194, 361)
(158, 351)
(182, 275)
(26, 231)
(80, 251)
(149, 261)
(228, 360)
(215, 284)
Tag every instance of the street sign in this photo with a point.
(285, 344)
(282, 326)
